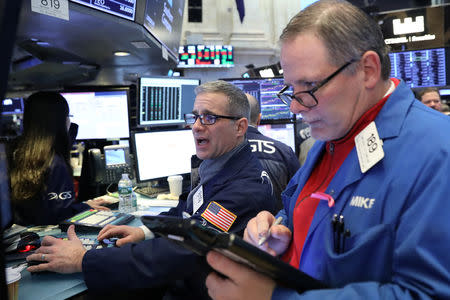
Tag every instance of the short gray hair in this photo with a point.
(347, 32)
(237, 100)
(255, 109)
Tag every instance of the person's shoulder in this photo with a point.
(427, 116)
(58, 165)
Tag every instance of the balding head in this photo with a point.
(255, 110)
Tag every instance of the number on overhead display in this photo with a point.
(54, 8)
(121, 8)
(126, 9)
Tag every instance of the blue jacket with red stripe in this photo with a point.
(239, 187)
(396, 212)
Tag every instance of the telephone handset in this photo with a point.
(109, 169)
(97, 165)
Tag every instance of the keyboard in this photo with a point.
(151, 192)
(94, 220)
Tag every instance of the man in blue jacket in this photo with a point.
(367, 213)
(231, 180)
(277, 158)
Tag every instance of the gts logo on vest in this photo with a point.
(60, 196)
(359, 201)
(262, 146)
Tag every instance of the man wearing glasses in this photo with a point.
(233, 188)
(367, 213)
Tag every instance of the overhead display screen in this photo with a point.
(420, 68)
(205, 56)
(163, 19)
(122, 8)
(415, 29)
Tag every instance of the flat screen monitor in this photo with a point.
(205, 56)
(12, 106)
(160, 154)
(101, 113)
(284, 133)
(421, 68)
(265, 90)
(164, 19)
(122, 8)
(164, 101)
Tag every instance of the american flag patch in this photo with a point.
(219, 216)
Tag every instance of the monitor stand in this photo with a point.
(158, 184)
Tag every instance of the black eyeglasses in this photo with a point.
(307, 98)
(206, 119)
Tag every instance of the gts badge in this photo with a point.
(60, 196)
(265, 179)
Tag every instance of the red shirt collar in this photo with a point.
(363, 121)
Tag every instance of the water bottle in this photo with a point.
(134, 206)
(125, 189)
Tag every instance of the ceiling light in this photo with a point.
(121, 53)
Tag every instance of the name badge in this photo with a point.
(197, 199)
(369, 147)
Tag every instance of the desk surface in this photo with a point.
(54, 286)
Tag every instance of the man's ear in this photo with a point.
(259, 119)
(371, 64)
(241, 127)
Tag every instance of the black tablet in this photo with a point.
(200, 239)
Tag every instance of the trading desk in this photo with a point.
(54, 286)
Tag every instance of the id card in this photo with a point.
(197, 199)
(369, 147)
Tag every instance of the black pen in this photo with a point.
(334, 222)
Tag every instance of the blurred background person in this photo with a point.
(42, 190)
(430, 97)
(277, 158)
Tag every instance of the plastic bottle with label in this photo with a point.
(125, 190)
(134, 206)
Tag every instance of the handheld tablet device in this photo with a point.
(200, 239)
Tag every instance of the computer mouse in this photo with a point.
(111, 242)
(36, 262)
(29, 241)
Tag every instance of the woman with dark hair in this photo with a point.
(42, 190)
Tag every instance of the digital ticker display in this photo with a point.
(420, 68)
(265, 90)
(122, 8)
(205, 56)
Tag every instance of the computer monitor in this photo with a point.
(281, 132)
(160, 154)
(164, 20)
(164, 101)
(125, 9)
(100, 112)
(11, 106)
(265, 90)
(421, 68)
